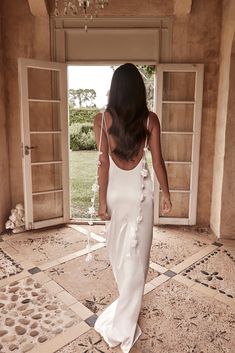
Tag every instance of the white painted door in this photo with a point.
(179, 108)
(44, 136)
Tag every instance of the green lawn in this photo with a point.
(82, 176)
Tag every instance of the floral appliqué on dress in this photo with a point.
(95, 188)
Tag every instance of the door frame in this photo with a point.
(103, 63)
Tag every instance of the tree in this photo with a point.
(85, 98)
(147, 72)
(72, 98)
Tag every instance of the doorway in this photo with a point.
(45, 142)
(88, 88)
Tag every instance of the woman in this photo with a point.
(126, 198)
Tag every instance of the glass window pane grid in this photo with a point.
(44, 116)
(47, 206)
(176, 147)
(46, 178)
(177, 117)
(179, 86)
(180, 205)
(47, 85)
(45, 147)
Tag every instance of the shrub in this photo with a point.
(82, 137)
(83, 115)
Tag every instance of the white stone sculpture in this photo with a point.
(16, 219)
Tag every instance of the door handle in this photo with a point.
(28, 148)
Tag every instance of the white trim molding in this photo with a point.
(111, 40)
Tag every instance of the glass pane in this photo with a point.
(177, 117)
(180, 205)
(178, 86)
(46, 177)
(43, 84)
(176, 147)
(178, 176)
(44, 116)
(47, 206)
(46, 147)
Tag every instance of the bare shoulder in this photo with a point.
(108, 119)
(97, 119)
(153, 121)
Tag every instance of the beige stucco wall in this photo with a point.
(196, 38)
(5, 198)
(221, 202)
(23, 36)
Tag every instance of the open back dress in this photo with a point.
(128, 239)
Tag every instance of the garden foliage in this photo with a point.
(82, 137)
(81, 128)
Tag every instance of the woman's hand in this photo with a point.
(166, 204)
(103, 212)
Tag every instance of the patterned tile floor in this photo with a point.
(50, 296)
(8, 266)
(87, 281)
(174, 319)
(216, 271)
(30, 315)
(41, 246)
(171, 248)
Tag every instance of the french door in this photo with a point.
(44, 137)
(179, 106)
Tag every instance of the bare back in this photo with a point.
(119, 162)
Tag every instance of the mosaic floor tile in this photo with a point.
(216, 271)
(34, 270)
(89, 342)
(173, 245)
(30, 315)
(8, 266)
(91, 320)
(92, 283)
(174, 318)
(42, 246)
(177, 319)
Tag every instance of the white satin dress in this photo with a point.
(129, 237)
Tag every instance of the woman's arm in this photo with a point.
(103, 168)
(158, 162)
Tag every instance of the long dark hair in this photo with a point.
(128, 108)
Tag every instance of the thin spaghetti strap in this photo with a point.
(101, 130)
(145, 145)
(107, 134)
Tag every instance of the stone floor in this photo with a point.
(87, 281)
(50, 296)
